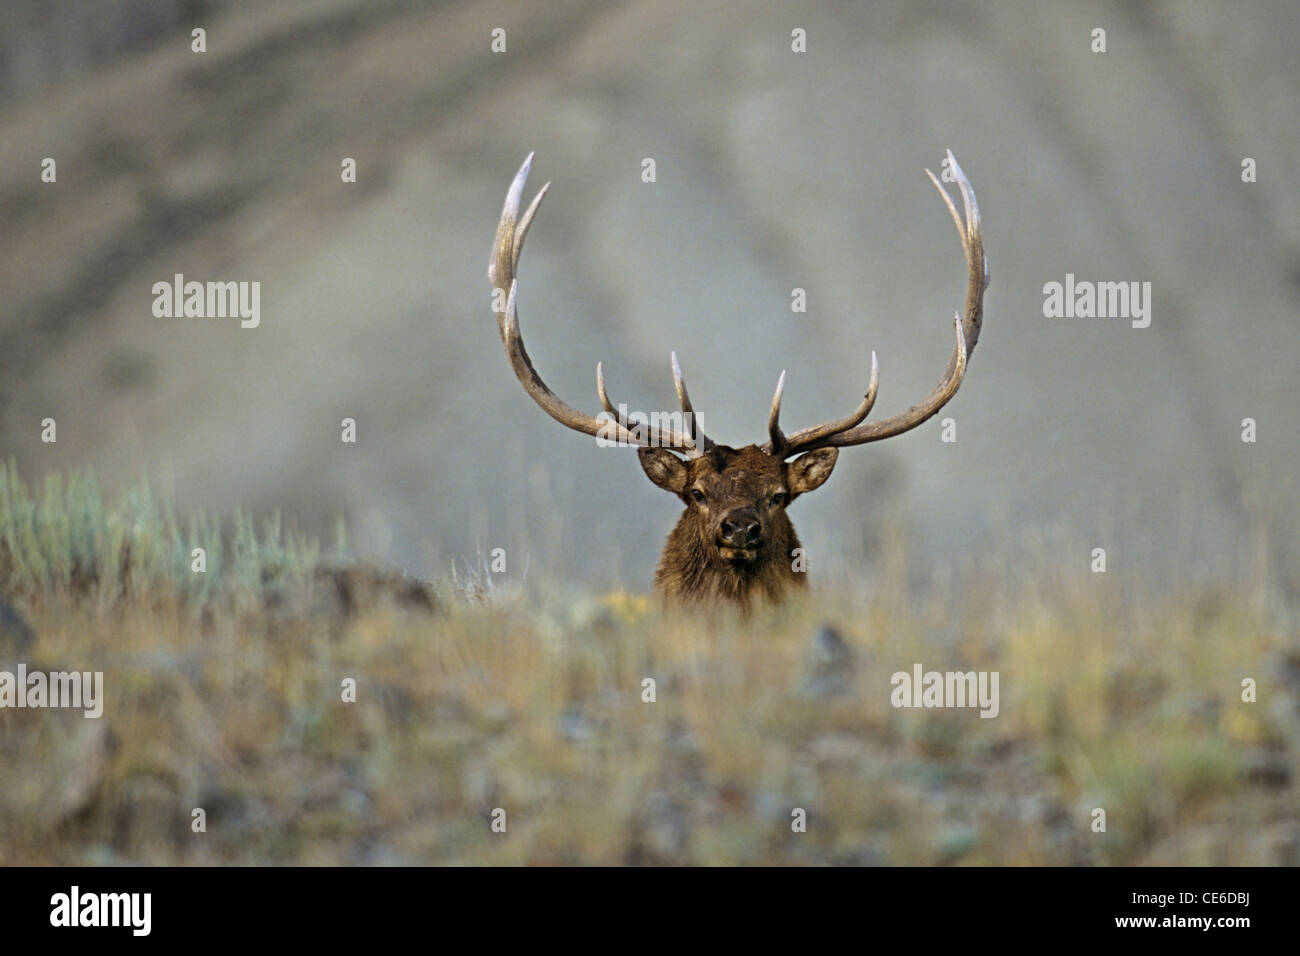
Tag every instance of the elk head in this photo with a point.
(733, 541)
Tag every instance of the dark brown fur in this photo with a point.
(741, 488)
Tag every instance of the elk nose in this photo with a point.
(740, 528)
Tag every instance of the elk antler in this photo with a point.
(501, 271)
(850, 430)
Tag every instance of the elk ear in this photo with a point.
(810, 471)
(663, 468)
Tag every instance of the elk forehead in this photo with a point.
(740, 470)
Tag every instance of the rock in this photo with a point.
(1268, 767)
(954, 843)
(15, 632)
(828, 665)
(575, 726)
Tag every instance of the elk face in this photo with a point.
(736, 498)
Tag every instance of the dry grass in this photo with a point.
(224, 693)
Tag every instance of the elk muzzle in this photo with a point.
(740, 534)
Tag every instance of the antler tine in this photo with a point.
(807, 437)
(521, 231)
(776, 440)
(701, 441)
(505, 252)
(512, 229)
(977, 264)
(967, 334)
(605, 403)
(654, 436)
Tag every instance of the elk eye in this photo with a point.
(778, 499)
(697, 495)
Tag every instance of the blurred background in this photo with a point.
(775, 170)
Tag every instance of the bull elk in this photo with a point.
(734, 541)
